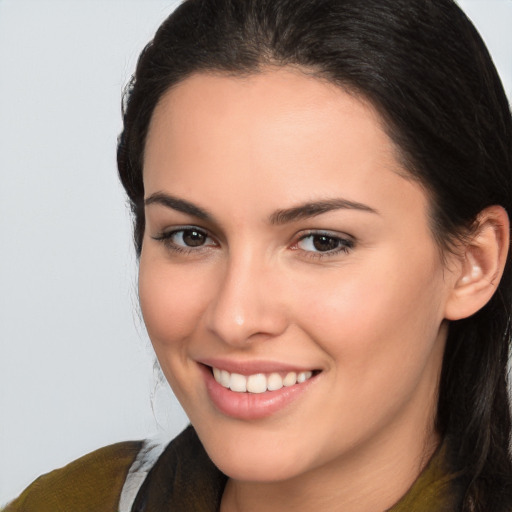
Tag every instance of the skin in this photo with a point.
(371, 318)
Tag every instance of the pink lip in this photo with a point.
(252, 367)
(251, 406)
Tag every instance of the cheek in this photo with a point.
(171, 301)
(382, 338)
(378, 317)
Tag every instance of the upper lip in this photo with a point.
(253, 367)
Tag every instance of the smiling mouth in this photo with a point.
(260, 382)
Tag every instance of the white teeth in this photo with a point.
(303, 376)
(290, 379)
(238, 383)
(274, 382)
(259, 382)
(225, 378)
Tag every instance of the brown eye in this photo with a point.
(191, 237)
(186, 239)
(324, 243)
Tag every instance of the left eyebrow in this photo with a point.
(307, 210)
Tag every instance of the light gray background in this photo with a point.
(75, 364)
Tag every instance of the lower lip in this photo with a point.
(251, 406)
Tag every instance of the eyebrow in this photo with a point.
(285, 216)
(307, 210)
(179, 205)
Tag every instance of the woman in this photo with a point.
(320, 193)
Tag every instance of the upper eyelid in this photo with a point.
(347, 242)
(327, 232)
(297, 236)
(165, 238)
(187, 227)
(166, 234)
(295, 239)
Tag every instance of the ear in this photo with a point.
(480, 264)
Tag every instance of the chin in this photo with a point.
(257, 456)
(257, 469)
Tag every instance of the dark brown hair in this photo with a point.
(423, 65)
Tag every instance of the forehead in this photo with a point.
(279, 135)
(268, 101)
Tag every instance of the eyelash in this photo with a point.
(166, 239)
(344, 245)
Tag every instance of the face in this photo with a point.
(287, 257)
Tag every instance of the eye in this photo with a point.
(324, 243)
(186, 239)
(189, 238)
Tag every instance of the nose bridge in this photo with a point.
(245, 302)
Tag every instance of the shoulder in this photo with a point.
(139, 475)
(92, 482)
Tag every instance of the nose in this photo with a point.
(247, 304)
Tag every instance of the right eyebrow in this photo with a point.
(179, 205)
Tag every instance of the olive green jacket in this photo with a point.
(179, 477)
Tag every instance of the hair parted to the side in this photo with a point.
(424, 67)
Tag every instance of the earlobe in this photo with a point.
(482, 260)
